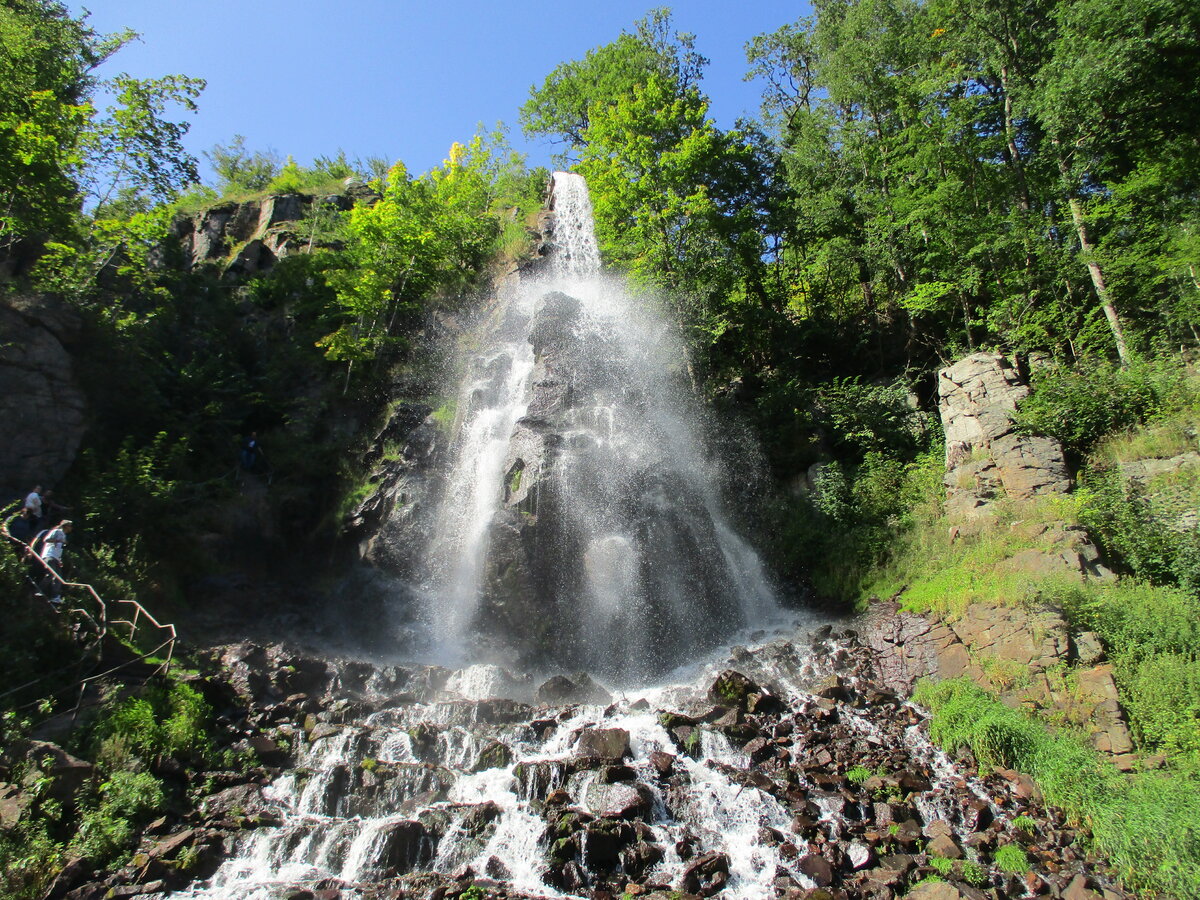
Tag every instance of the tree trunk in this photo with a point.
(1088, 249)
(1010, 139)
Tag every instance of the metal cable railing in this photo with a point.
(165, 631)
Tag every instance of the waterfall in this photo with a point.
(582, 522)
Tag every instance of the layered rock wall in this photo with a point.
(1024, 654)
(985, 456)
(988, 462)
(250, 236)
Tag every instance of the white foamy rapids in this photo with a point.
(340, 819)
(717, 814)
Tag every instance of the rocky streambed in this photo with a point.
(783, 770)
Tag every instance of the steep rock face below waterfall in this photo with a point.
(788, 774)
(41, 402)
(541, 548)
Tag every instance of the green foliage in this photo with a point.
(134, 150)
(165, 721)
(564, 105)
(108, 828)
(940, 865)
(45, 85)
(958, 174)
(117, 247)
(853, 521)
(1079, 406)
(1134, 535)
(1025, 823)
(29, 860)
(1152, 635)
(863, 418)
(137, 487)
(1145, 823)
(973, 873)
(1012, 860)
(426, 237)
(858, 774)
(240, 171)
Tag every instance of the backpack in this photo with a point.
(35, 546)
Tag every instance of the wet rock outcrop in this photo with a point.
(42, 405)
(583, 516)
(395, 786)
(390, 521)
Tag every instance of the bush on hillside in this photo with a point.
(1152, 634)
(1079, 406)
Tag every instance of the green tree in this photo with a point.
(664, 182)
(238, 169)
(46, 82)
(562, 107)
(425, 236)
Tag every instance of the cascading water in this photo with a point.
(581, 522)
(659, 789)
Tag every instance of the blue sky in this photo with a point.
(399, 79)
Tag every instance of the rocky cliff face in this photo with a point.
(1031, 657)
(249, 236)
(988, 462)
(43, 408)
(985, 456)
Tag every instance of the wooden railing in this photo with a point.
(166, 632)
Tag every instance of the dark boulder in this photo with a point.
(605, 743)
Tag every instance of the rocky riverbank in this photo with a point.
(784, 770)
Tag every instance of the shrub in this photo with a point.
(108, 828)
(858, 774)
(1133, 536)
(868, 418)
(1161, 694)
(29, 860)
(973, 873)
(1082, 405)
(1024, 823)
(848, 526)
(166, 721)
(941, 865)
(1153, 637)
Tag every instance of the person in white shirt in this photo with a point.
(52, 554)
(33, 503)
